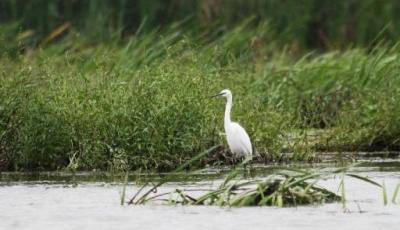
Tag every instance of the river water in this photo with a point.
(54, 203)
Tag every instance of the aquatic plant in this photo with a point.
(285, 186)
(279, 189)
(395, 193)
(282, 187)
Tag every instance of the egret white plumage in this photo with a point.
(238, 140)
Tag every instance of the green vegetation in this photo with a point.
(284, 188)
(82, 92)
(143, 102)
(301, 23)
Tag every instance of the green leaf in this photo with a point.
(396, 192)
(385, 199)
(364, 179)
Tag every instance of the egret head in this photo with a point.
(223, 93)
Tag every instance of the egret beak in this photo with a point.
(216, 95)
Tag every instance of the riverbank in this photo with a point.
(143, 102)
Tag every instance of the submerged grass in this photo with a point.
(284, 187)
(143, 102)
(181, 168)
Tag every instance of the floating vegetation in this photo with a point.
(281, 189)
(286, 187)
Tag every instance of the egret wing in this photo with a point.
(242, 137)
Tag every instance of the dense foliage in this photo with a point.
(144, 102)
(305, 23)
(136, 96)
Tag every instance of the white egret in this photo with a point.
(237, 138)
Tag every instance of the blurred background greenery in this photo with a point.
(310, 24)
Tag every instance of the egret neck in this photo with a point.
(227, 119)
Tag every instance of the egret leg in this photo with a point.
(247, 167)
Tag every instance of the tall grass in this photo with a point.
(304, 23)
(142, 101)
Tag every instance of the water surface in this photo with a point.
(94, 203)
